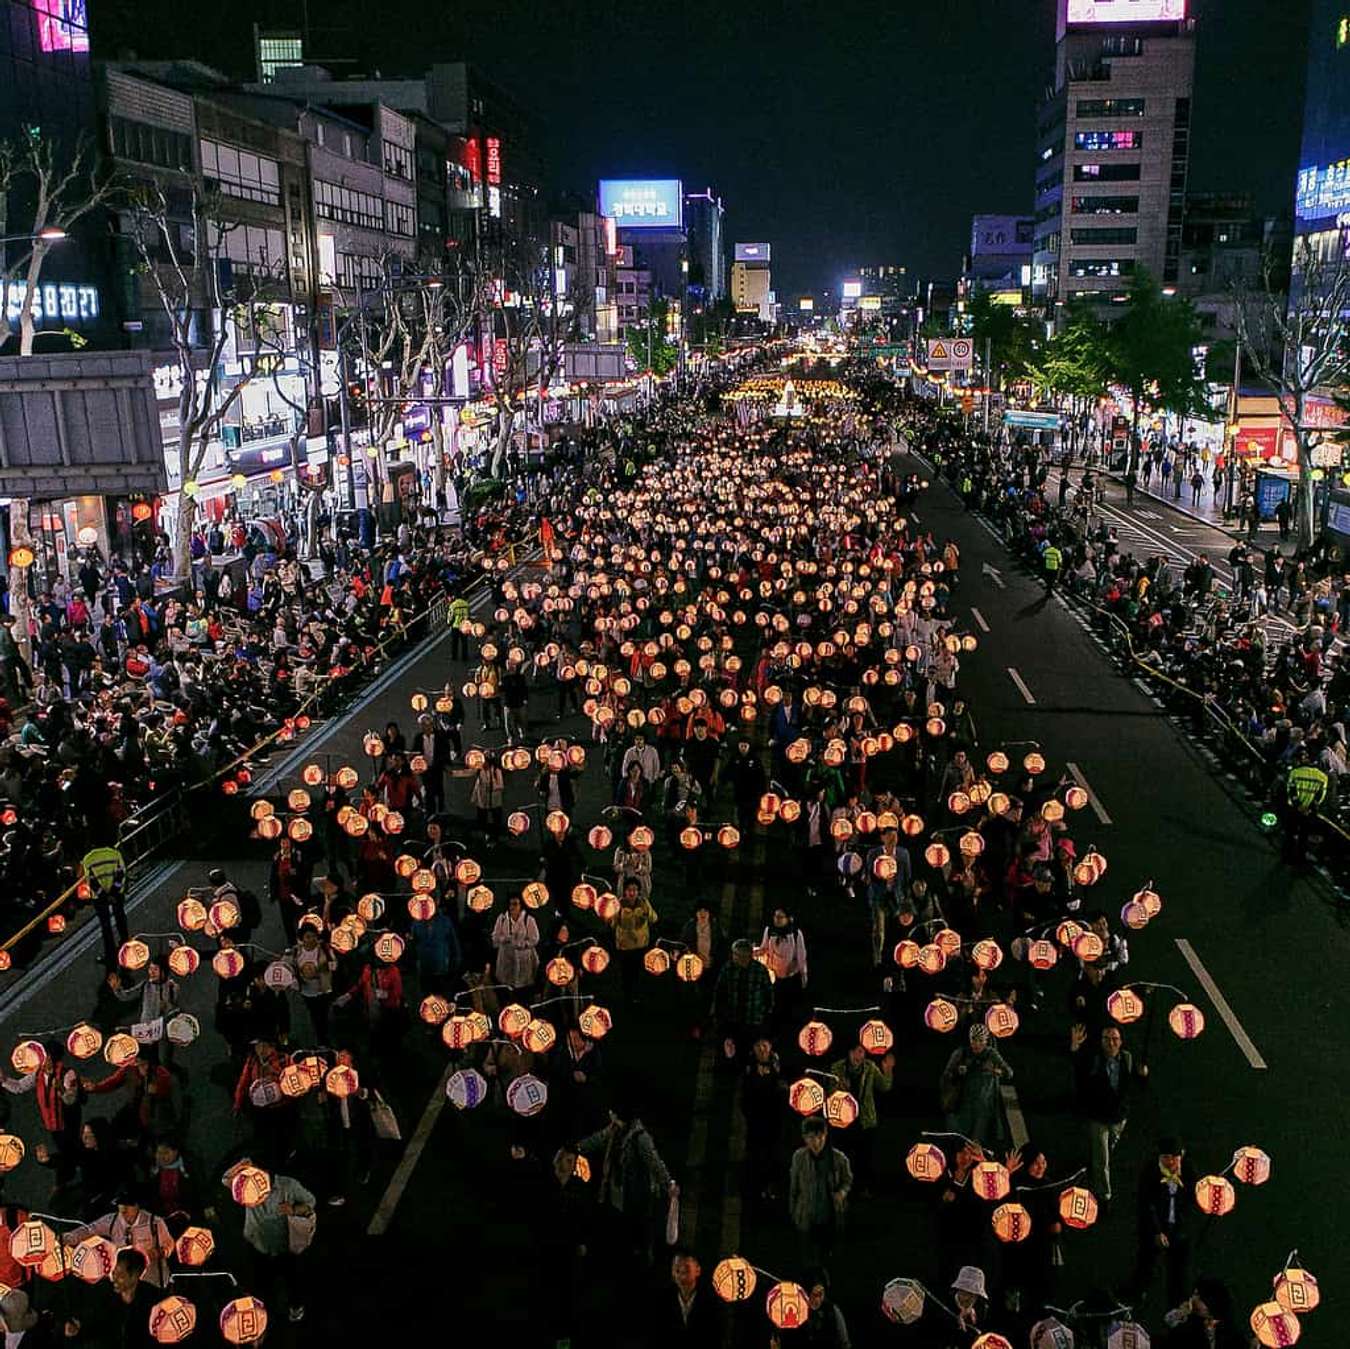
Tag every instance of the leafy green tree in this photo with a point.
(1014, 341)
(648, 344)
(1150, 351)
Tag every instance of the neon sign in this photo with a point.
(1323, 189)
(63, 25)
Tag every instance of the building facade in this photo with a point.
(1113, 150)
(705, 219)
(1322, 194)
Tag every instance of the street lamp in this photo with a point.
(53, 234)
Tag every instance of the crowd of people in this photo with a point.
(1255, 660)
(739, 642)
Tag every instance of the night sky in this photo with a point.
(843, 134)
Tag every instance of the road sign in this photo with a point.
(950, 353)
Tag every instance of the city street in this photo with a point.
(1235, 935)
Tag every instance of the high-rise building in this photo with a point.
(1322, 202)
(704, 218)
(1000, 254)
(1113, 149)
(751, 281)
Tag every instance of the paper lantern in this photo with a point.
(458, 1033)
(228, 962)
(987, 954)
(243, 1320)
(1296, 1291)
(1001, 1019)
(841, 1109)
(1068, 932)
(1251, 1166)
(815, 1038)
(539, 1036)
(517, 823)
(1052, 812)
(806, 1096)
(1125, 1006)
(734, 1279)
(642, 838)
(250, 1186)
(92, 1260)
(1134, 915)
(902, 1301)
(55, 1265)
(120, 1049)
(1186, 1020)
(600, 837)
(926, 1162)
(656, 961)
(466, 1089)
(991, 1340)
(31, 1243)
(1150, 899)
(1042, 955)
(1012, 1222)
(1088, 946)
(990, 1180)
(191, 915)
(1127, 1335)
(560, 971)
(937, 855)
(1216, 1195)
(906, 954)
(133, 955)
(195, 1247)
(302, 831)
(595, 1022)
(787, 1305)
(527, 1095)
(183, 961)
(433, 1009)
(172, 1320)
(689, 967)
(370, 907)
(728, 836)
(1274, 1326)
(84, 1041)
(480, 898)
(875, 1037)
(421, 908)
(932, 959)
(534, 895)
(595, 960)
(1077, 1207)
(556, 822)
(512, 1020)
(11, 1151)
(1051, 1334)
(941, 1016)
(388, 947)
(1034, 763)
(294, 1081)
(182, 1029)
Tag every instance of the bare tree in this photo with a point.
(1301, 343)
(59, 190)
(181, 244)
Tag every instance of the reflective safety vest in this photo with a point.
(102, 866)
(1053, 557)
(967, 486)
(1306, 786)
(459, 611)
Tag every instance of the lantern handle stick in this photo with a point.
(39, 1034)
(844, 1011)
(951, 1133)
(207, 1274)
(52, 1218)
(1171, 988)
(1054, 1184)
(548, 1002)
(1075, 1315)
(820, 1072)
(480, 988)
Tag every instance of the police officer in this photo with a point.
(1052, 560)
(1305, 789)
(105, 872)
(457, 618)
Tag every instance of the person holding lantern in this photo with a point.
(515, 935)
(971, 1089)
(819, 1182)
(129, 1225)
(742, 1000)
(632, 936)
(1103, 1080)
(1166, 1219)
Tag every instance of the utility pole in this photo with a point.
(988, 379)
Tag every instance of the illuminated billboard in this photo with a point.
(1125, 11)
(63, 25)
(852, 290)
(806, 304)
(752, 252)
(1323, 190)
(643, 203)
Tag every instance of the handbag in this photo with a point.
(673, 1221)
(300, 1232)
(383, 1119)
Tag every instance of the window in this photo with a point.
(1106, 173)
(1099, 237)
(1106, 205)
(398, 218)
(252, 247)
(335, 202)
(397, 161)
(1110, 107)
(1101, 267)
(356, 272)
(240, 173)
(150, 144)
(1108, 140)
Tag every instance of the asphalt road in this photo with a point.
(461, 1226)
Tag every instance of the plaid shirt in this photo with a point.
(744, 994)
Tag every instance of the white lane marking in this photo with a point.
(398, 1182)
(1012, 1108)
(1098, 809)
(979, 619)
(993, 574)
(1021, 686)
(1226, 1013)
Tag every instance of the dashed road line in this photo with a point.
(1226, 1013)
(979, 619)
(412, 1154)
(1022, 687)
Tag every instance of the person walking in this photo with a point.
(632, 935)
(862, 1077)
(742, 999)
(104, 871)
(819, 1182)
(280, 1230)
(971, 1089)
(1102, 1078)
(1166, 1213)
(515, 934)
